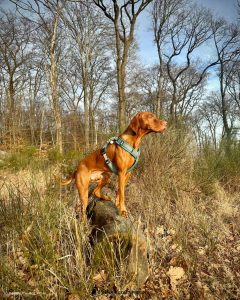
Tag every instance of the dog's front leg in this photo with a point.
(127, 176)
(120, 201)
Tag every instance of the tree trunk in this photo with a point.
(121, 88)
(173, 105)
(54, 89)
(121, 64)
(41, 130)
(31, 119)
(158, 104)
(86, 103)
(122, 100)
(56, 105)
(11, 115)
(75, 130)
(86, 121)
(227, 129)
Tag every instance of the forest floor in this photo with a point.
(191, 224)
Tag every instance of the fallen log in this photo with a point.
(118, 242)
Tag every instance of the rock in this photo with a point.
(114, 236)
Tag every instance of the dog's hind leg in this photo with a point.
(101, 183)
(82, 178)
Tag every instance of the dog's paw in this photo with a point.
(124, 213)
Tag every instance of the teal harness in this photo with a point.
(123, 144)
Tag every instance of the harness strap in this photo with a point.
(123, 144)
(109, 163)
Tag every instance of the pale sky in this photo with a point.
(222, 8)
(147, 50)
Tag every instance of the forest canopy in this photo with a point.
(71, 73)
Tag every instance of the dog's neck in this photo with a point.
(132, 138)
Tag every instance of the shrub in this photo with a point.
(221, 164)
(54, 155)
(20, 159)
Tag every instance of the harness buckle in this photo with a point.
(120, 142)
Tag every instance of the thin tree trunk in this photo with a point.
(122, 100)
(75, 123)
(173, 105)
(227, 130)
(86, 103)
(158, 104)
(54, 89)
(41, 130)
(86, 119)
(11, 120)
(31, 120)
(159, 96)
(121, 61)
(56, 105)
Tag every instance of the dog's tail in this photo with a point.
(68, 180)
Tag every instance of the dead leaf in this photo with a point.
(73, 297)
(100, 278)
(164, 293)
(160, 230)
(175, 273)
(173, 261)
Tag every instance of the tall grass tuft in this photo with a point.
(45, 252)
(221, 164)
(188, 212)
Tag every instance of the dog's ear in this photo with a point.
(134, 124)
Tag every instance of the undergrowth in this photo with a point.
(31, 158)
(188, 203)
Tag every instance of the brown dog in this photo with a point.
(94, 168)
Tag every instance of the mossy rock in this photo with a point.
(118, 241)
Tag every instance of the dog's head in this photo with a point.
(147, 122)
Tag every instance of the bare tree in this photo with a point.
(234, 84)
(209, 115)
(14, 55)
(226, 40)
(163, 13)
(238, 10)
(90, 56)
(124, 19)
(179, 32)
(46, 14)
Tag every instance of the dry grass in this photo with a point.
(190, 219)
